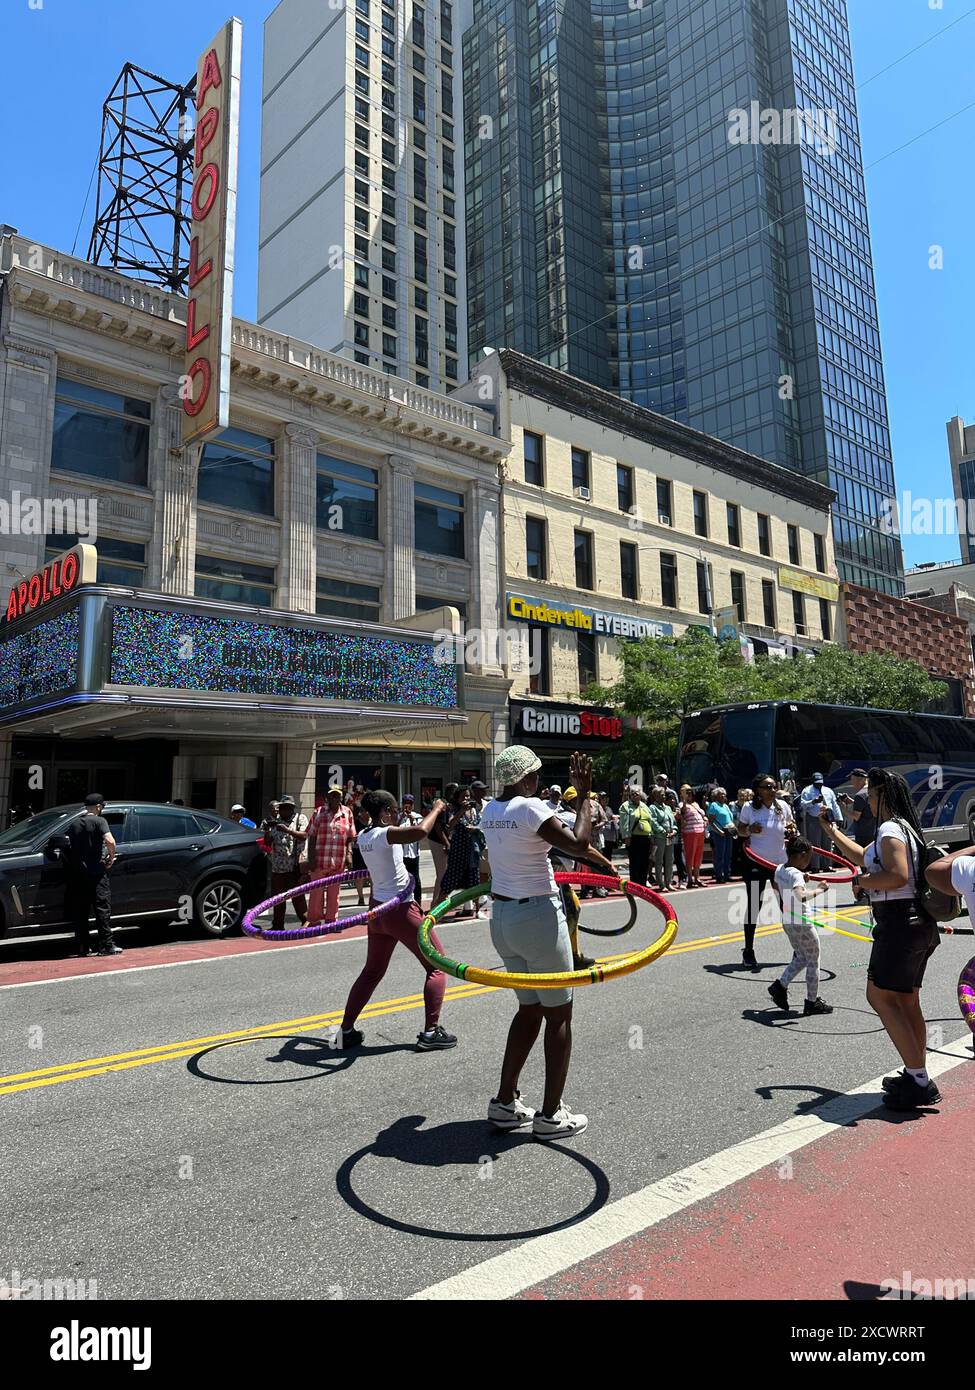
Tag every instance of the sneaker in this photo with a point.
(110, 950)
(512, 1116)
(582, 962)
(816, 1006)
(890, 1083)
(779, 994)
(346, 1038)
(910, 1096)
(748, 958)
(435, 1040)
(561, 1125)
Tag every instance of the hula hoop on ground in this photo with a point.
(503, 979)
(966, 994)
(602, 881)
(320, 928)
(820, 878)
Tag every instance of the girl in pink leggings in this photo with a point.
(381, 846)
(692, 821)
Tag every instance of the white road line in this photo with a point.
(503, 1276)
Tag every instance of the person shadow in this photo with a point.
(470, 1145)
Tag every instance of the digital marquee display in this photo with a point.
(182, 651)
(40, 662)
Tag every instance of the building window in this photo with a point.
(738, 593)
(237, 470)
(580, 468)
(824, 620)
(668, 580)
(335, 598)
(587, 658)
(534, 459)
(820, 544)
(768, 602)
(700, 514)
(100, 433)
(629, 583)
(439, 521)
(539, 680)
(234, 582)
(665, 502)
(584, 561)
(535, 549)
(734, 525)
(362, 334)
(795, 554)
(119, 562)
(799, 613)
(624, 488)
(764, 535)
(346, 498)
(423, 603)
(703, 587)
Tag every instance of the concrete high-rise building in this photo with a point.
(361, 247)
(667, 200)
(961, 451)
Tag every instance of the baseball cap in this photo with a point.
(570, 794)
(818, 778)
(408, 796)
(515, 763)
(859, 772)
(481, 786)
(336, 790)
(286, 800)
(237, 807)
(94, 799)
(555, 789)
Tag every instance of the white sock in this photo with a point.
(918, 1074)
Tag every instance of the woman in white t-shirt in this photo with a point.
(765, 823)
(530, 932)
(903, 937)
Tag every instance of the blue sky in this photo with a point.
(62, 56)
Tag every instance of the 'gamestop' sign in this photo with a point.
(530, 719)
(205, 390)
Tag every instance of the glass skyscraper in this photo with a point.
(667, 199)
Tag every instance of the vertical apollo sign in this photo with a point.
(209, 314)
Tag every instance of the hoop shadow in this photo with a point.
(449, 1144)
(773, 1017)
(314, 1053)
(743, 974)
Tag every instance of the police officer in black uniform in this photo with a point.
(90, 855)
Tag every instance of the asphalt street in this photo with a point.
(150, 1144)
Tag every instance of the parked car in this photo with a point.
(172, 862)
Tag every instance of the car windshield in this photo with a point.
(38, 827)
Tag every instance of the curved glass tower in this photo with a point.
(667, 199)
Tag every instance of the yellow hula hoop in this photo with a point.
(568, 979)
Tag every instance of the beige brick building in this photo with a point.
(619, 521)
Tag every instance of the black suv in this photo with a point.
(172, 862)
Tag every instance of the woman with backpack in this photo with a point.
(904, 936)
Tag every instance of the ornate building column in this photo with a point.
(299, 564)
(400, 540)
(487, 577)
(172, 561)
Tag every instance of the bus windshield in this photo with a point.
(727, 747)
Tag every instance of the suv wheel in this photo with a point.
(219, 906)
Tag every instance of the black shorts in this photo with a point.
(902, 946)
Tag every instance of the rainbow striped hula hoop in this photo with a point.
(320, 928)
(567, 979)
(820, 878)
(602, 881)
(966, 994)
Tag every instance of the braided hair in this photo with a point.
(894, 797)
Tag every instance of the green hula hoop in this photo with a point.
(568, 979)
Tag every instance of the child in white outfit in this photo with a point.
(793, 891)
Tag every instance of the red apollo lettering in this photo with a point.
(210, 175)
(200, 368)
(210, 78)
(22, 596)
(205, 131)
(197, 272)
(194, 335)
(12, 606)
(33, 591)
(69, 571)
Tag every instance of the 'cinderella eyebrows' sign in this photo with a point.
(180, 651)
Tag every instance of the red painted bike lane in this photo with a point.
(888, 1198)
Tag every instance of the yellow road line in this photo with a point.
(173, 1051)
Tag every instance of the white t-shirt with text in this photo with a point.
(873, 863)
(384, 861)
(768, 841)
(790, 883)
(963, 879)
(520, 866)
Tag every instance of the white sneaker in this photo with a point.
(512, 1116)
(561, 1125)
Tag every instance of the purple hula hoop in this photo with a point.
(321, 928)
(966, 994)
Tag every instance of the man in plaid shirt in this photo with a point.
(333, 830)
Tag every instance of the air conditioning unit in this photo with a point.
(664, 520)
(583, 494)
